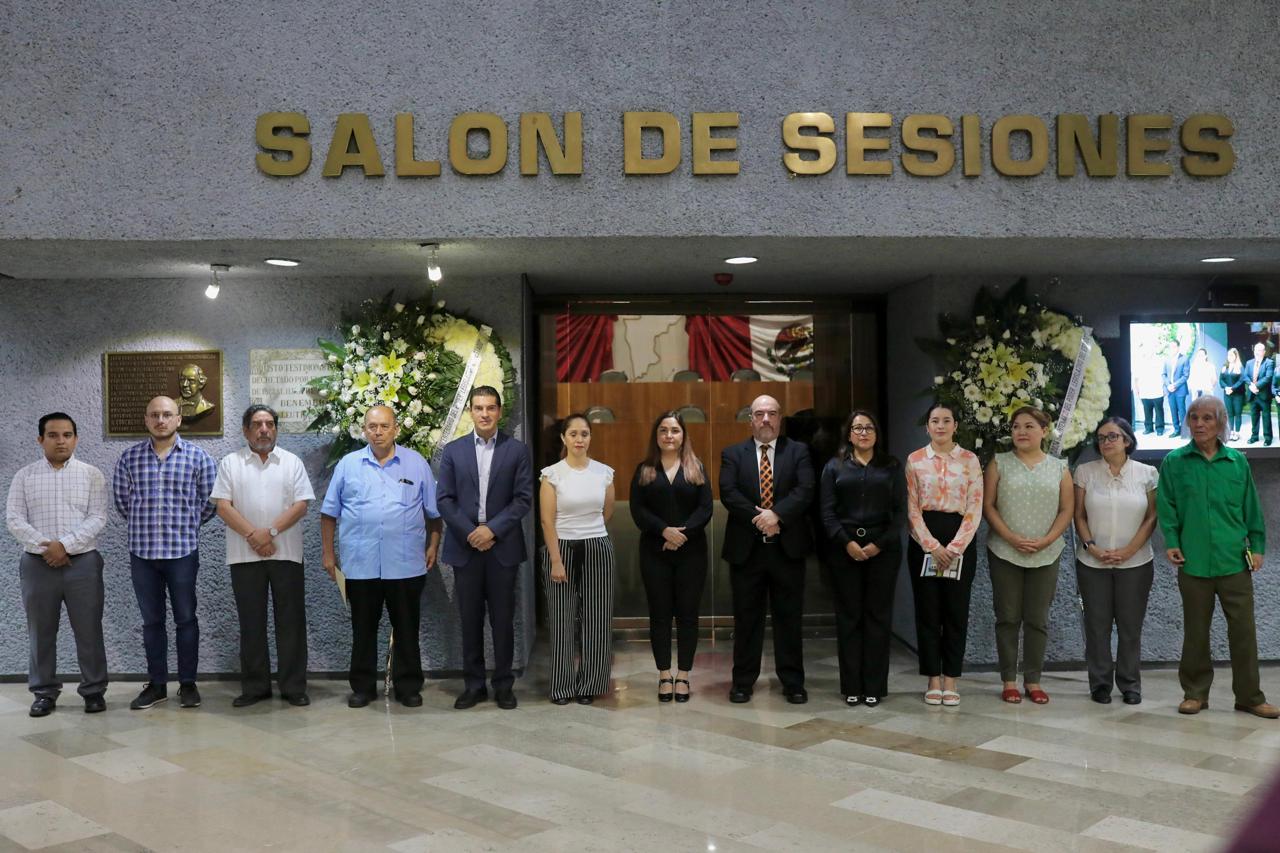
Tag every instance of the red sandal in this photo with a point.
(1038, 696)
(1011, 695)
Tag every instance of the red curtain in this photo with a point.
(584, 346)
(718, 345)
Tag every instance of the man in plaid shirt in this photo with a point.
(57, 507)
(162, 488)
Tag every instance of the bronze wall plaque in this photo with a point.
(193, 378)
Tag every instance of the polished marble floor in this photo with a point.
(630, 774)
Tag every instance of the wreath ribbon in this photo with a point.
(1068, 410)
(464, 388)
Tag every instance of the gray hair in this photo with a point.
(1216, 408)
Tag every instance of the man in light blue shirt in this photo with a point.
(381, 504)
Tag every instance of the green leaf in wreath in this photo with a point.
(333, 349)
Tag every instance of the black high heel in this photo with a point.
(665, 697)
(682, 697)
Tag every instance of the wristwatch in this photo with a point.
(1087, 545)
(274, 533)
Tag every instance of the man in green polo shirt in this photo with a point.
(1209, 511)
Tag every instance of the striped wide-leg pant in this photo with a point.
(580, 615)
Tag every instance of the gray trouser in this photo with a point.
(1119, 597)
(44, 590)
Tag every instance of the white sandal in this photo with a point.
(950, 698)
(933, 697)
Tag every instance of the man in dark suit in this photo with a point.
(767, 484)
(1177, 370)
(1259, 381)
(485, 489)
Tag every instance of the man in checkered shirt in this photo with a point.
(57, 507)
(162, 487)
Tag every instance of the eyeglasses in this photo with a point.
(1109, 437)
(862, 429)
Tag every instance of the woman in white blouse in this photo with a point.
(576, 498)
(1115, 514)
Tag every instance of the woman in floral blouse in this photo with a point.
(944, 509)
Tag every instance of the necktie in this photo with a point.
(1256, 365)
(766, 478)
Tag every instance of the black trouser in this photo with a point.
(1114, 597)
(403, 600)
(482, 582)
(1235, 409)
(768, 573)
(1153, 414)
(862, 592)
(1260, 409)
(250, 582)
(942, 604)
(673, 582)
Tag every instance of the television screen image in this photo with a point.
(1172, 363)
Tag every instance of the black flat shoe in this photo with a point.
(563, 700)
(683, 697)
(359, 700)
(586, 700)
(410, 700)
(871, 701)
(95, 703)
(1101, 695)
(1132, 697)
(797, 697)
(738, 695)
(244, 700)
(506, 699)
(853, 701)
(665, 697)
(298, 700)
(470, 698)
(43, 706)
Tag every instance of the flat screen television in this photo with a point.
(1200, 353)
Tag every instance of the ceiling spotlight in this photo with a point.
(282, 262)
(1216, 260)
(215, 283)
(433, 262)
(744, 259)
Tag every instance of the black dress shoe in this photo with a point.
(1101, 695)
(1253, 440)
(738, 695)
(359, 700)
(586, 700)
(851, 701)
(43, 706)
(872, 701)
(797, 697)
(563, 700)
(95, 703)
(410, 700)
(298, 700)
(244, 700)
(1132, 697)
(470, 698)
(506, 699)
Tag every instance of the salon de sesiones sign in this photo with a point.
(811, 143)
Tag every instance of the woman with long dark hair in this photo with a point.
(1231, 378)
(864, 502)
(944, 509)
(671, 504)
(576, 499)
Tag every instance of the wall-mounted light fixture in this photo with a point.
(215, 282)
(433, 262)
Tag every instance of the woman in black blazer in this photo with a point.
(863, 497)
(671, 504)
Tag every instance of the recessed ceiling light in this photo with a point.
(281, 262)
(744, 259)
(1216, 260)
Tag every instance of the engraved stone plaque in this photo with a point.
(193, 378)
(278, 378)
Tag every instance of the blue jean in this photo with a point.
(150, 580)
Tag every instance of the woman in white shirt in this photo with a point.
(576, 498)
(1115, 515)
(1203, 378)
